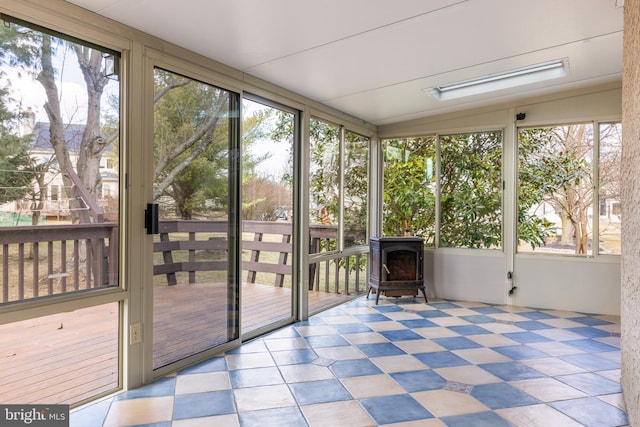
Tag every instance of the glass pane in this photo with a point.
(324, 186)
(59, 165)
(609, 185)
(63, 358)
(471, 190)
(267, 214)
(555, 198)
(356, 185)
(193, 302)
(410, 188)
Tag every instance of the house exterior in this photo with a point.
(56, 200)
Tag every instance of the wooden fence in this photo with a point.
(262, 239)
(50, 259)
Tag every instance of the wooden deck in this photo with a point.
(70, 357)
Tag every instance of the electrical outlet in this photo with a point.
(135, 333)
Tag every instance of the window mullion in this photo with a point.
(341, 178)
(595, 203)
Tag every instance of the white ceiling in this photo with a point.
(371, 58)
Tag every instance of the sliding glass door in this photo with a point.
(268, 290)
(194, 294)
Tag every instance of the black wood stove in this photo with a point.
(396, 266)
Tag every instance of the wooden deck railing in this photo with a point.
(51, 259)
(269, 250)
(46, 260)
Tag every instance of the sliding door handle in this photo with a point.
(151, 218)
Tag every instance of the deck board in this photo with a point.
(70, 357)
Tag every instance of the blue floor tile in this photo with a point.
(536, 315)
(423, 380)
(203, 404)
(371, 317)
(478, 319)
(511, 371)
(591, 362)
(380, 349)
(326, 341)
(487, 310)
(441, 359)
(354, 368)
(502, 395)
(430, 314)
(444, 305)
(592, 412)
(395, 409)
(401, 335)
(310, 392)
(591, 346)
(590, 321)
(590, 383)
(352, 328)
(480, 419)
(418, 323)
(279, 417)
(520, 352)
(532, 325)
(294, 357)
(469, 330)
(456, 343)
(526, 337)
(162, 387)
(387, 308)
(589, 332)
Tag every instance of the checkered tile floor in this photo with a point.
(399, 363)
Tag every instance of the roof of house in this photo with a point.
(72, 135)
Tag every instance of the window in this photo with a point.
(556, 188)
(410, 187)
(338, 186)
(609, 219)
(59, 117)
(324, 177)
(356, 172)
(471, 190)
(338, 212)
(56, 138)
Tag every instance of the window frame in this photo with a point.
(594, 206)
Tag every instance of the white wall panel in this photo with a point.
(567, 283)
(475, 276)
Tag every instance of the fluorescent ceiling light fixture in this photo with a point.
(519, 77)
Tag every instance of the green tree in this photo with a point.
(471, 190)
(536, 178)
(555, 167)
(324, 174)
(191, 126)
(36, 53)
(409, 188)
(267, 196)
(15, 164)
(355, 188)
(191, 145)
